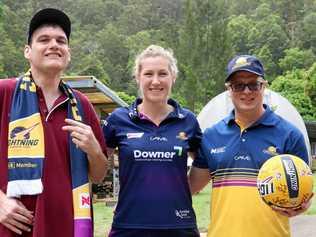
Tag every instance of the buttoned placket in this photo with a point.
(243, 134)
(55, 107)
(47, 115)
(243, 142)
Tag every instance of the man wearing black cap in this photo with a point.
(51, 142)
(232, 152)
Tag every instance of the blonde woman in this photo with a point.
(153, 136)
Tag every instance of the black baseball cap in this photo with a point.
(49, 16)
(247, 63)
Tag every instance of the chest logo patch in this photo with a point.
(182, 136)
(242, 157)
(271, 150)
(158, 139)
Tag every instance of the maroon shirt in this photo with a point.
(53, 208)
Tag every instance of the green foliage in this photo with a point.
(129, 99)
(180, 99)
(296, 59)
(239, 28)
(135, 17)
(310, 88)
(292, 86)
(138, 42)
(308, 31)
(268, 38)
(96, 14)
(203, 51)
(112, 52)
(1, 48)
(204, 35)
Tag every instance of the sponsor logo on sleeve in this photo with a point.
(132, 135)
(218, 150)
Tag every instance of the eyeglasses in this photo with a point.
(239, 87)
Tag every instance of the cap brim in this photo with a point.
(242, 69)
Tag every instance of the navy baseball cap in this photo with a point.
(49, 16)
(247, 63)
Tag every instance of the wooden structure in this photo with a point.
(102, 97)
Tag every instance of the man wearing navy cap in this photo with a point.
(234, 149)
(51, 142)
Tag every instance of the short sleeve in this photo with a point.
(110, 131)
(195, 140)
(201, 159)
(296, 145)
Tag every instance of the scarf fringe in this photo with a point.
(16, 188)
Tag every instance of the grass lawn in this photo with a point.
(102, 219)
(103, 215)
(312, 209)
(201, 205)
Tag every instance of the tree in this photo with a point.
(1, 39)
(138, 42)
(12, 38)
(219, 48)
(241, 7)
(188, 58)
(293, 86)
(268, 38)
(310, 88)
(112, 51)
(135, 17)
(239, 28)
(90, 65)
(95, 15)
(296, 59)
(291, 12)
(203, 51)
(308, 32)
(204, 35)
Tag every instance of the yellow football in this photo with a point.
(285, 181)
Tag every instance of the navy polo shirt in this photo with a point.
(225, 146)
(154, 191)
(234, 158)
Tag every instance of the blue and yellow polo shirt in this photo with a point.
(154, 191)
(234, 157)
